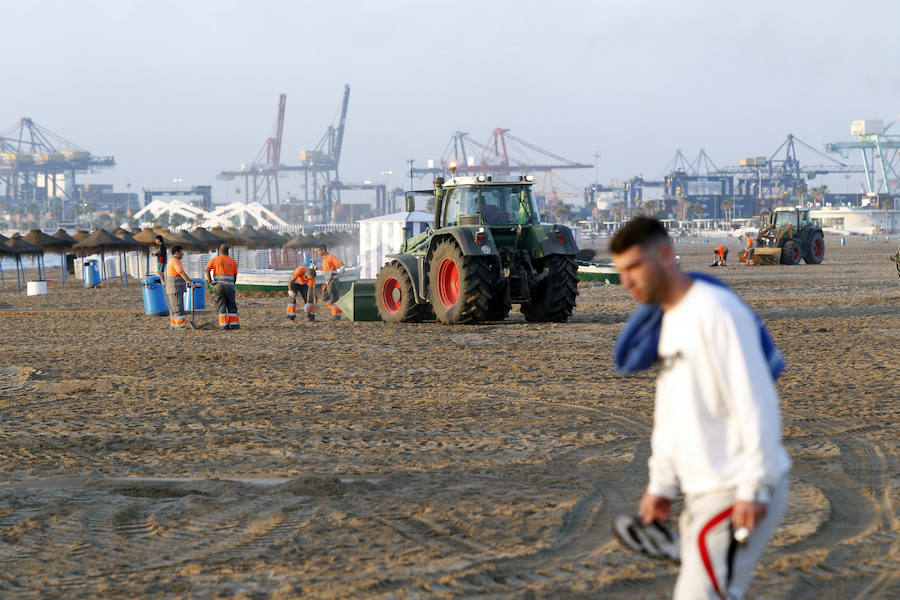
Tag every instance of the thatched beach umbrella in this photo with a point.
(181, 240)
(259, 240)
(62, 235)
(81, 234)
(147, 236)
(212, 240)
(50, 244)
(231, 236)
(3, 252)
(102, 241)
(193, 242)
(275, 240)
(17, 246)
(133, 245)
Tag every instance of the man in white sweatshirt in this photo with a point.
(717, 426)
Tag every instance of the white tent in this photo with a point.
(380, 236)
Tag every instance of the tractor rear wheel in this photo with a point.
(499, 306)
(816, 250)
(460, 287)
(790, 253)
(554, 298)
(394, 295)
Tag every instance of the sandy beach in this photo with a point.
(365, 460)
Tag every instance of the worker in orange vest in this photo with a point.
(303, 282)
(221, 273)
(334, 266)
(177, 283)
(720, 256)
(747, 256)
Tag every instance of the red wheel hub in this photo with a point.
(795, 253)
(817, 248)
(448, 283)
(391, 296)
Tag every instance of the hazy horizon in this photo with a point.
(186, 90)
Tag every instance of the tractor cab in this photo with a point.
(482, 201)
(796, 217)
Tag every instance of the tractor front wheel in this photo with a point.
(460, 287)
(816, 250)
(790, 253)
(554, 298)
(394, 295)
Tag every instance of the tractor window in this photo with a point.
(804, 218)
(498, 205)
(783, 218)
(460, 201)
(508, 205)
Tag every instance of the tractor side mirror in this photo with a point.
(410, 201)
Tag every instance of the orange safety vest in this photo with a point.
(224, 268)
(330, 262)
(300, 275)
(173, 268)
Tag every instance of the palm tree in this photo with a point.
(726, 205)
(819, 193)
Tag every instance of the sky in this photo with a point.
(186, 89)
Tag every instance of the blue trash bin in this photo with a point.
(154, 296)
(91, 274)
(196, 297)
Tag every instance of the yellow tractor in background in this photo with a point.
(789, 237)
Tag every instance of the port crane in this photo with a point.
(503, 154)
(37, 165)
(263, 171)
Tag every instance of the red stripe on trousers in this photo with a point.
(704, 553)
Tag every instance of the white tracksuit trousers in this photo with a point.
(713, 565)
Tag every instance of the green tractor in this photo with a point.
(789, 237)
(487, 251)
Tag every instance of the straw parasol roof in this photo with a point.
(100, 240)
(62, 235)
(146, 236)
(4, 251)
(259, 240)
(80, 235)
(301, 241)
(197, 243)
(231, 236)
(212, 240)
(275, 240)
(18, 246)
(174, 239)
(125, 236)
(48, 242)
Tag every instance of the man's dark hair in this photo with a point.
(640, 231)
(322, 247)
(223, 249)
(158, 238)
(177, 249)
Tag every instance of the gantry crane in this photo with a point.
(263, 171)
(503, 154)
(38, 166)
(879, 153)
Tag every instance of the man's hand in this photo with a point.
(654, 508)
(292, 293)
(747, 514)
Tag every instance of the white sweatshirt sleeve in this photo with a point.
(663, 475)
(748, 390)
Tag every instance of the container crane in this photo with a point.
(503, 154)
(37, 165)
(879, 153)
(263, 171)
